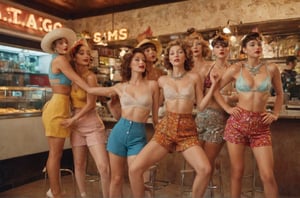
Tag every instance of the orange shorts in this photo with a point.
(176, 132)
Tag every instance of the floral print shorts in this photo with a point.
(248, 129)
(176, 132)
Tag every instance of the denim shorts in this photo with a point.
(127, 138)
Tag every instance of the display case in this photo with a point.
(22, 101)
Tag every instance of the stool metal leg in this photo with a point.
(60, 172)
(154, 184)
(212, 187)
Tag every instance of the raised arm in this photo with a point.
(63, 64)
(202, 101)
(227, 77)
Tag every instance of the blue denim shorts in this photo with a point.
(127, 138)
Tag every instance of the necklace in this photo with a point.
(180, 76)
(254, 70)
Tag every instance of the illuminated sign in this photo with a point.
(115, 35)
(23, 20)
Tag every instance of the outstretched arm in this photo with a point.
(202, 102)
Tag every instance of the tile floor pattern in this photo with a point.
(38, 189)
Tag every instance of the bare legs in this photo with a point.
(100, 157)
(117, 165)
(264, 158)
(150, 154)
(153, 152)
(53, 164)
(196, 157)
(265, 162)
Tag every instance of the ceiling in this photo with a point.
(75, 9)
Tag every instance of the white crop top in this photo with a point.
(143, 101)
(186, 93)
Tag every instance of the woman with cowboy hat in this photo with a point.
(61, 75)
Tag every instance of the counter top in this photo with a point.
(289, 114)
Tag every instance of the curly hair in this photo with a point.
(125, 65)
(188, 63)
(193, 35)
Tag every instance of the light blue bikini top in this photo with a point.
(59, 78)
(242, 86)
(144, 101)
(186, 93)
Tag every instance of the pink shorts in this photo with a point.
(248, 129)
(88, 130)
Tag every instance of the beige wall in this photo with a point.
(201, 14)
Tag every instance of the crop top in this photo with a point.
(242, 86)
(144, 101)
(186, 93)
(207, 81)
(58, 79)
(78, 95)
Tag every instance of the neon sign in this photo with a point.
(16, 18)
(115, 35)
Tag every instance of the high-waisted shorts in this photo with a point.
(88, 130)
(248, 129)
(127, 138)
(54, 112)
(176, 132)
(211, 124)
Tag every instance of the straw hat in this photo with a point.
(154, 42)
(50, 37)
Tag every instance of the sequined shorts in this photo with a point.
(211, 124)
(176, 132)
(248, 129)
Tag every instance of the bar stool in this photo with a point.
(252, 176)
(187, 188)
(153, 184)
(62, 172)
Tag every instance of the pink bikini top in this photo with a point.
(143, 101)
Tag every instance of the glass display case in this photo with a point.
(22, 101)
(24, 83)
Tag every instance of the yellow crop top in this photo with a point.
(78, 95)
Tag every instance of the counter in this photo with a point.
(286, 140)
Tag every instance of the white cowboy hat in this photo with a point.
(154, 42)
(47, 41)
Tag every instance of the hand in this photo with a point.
(234, 111)
(67, 122)
(269, 117)
(214, 77)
